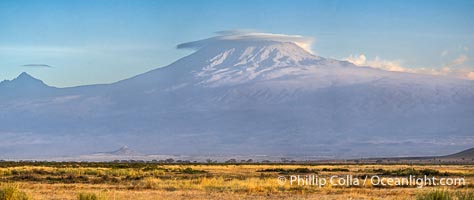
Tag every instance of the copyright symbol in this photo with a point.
(281, 180)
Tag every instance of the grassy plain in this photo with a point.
(218, 181)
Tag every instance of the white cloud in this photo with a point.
(238, 35)
(470, 75)
(461, 59)
(377, 62)
(37, 65)
(357, 60)
(395, 65)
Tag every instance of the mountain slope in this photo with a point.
(249, 96)
(463, 155)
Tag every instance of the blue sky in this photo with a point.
(88, 42)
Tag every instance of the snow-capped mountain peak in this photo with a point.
(237, 62)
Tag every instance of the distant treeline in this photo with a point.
(141, 163)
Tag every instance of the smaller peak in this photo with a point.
(25, 78)
(125, 147)
(124, 150)
(25, 75)
(24, 84)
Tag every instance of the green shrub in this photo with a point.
(435, 195)
(190, 170)
(11, 192)
(411, 171)
(335, 170)
(468, 195)
(90, 196)
(446, 195)
(289, 171)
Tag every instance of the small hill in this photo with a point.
(466, 155)
(123, 151)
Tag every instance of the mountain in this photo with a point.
(123, 151)
(245, 95)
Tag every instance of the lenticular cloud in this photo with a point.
(233, 35)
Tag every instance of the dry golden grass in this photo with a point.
(210, 181)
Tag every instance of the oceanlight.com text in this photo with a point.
(374, 180)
